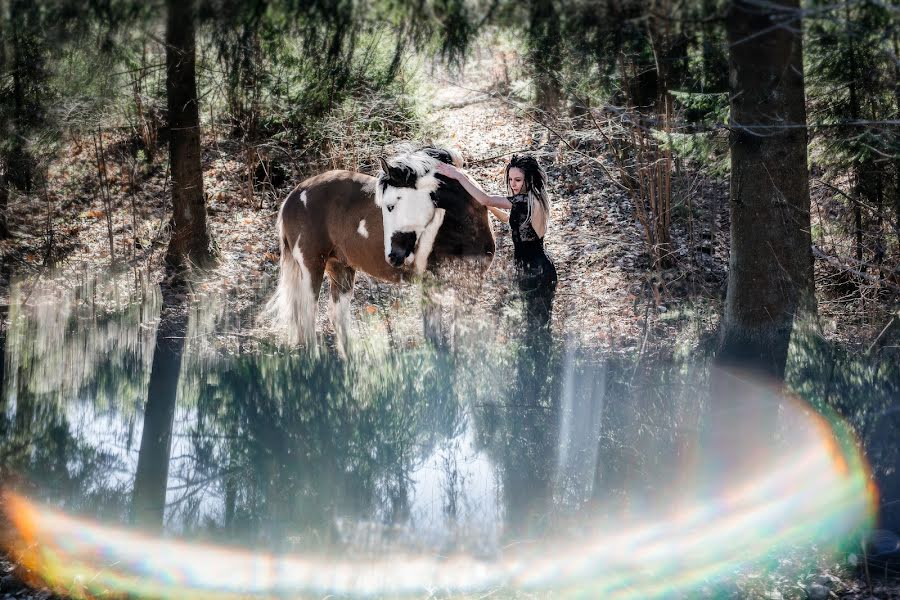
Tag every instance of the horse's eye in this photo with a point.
(390, 207)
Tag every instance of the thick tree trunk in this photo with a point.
(544, 54)
(190, 241)
(29, 90)
(896, 41)
(770, 277)
(149, 498)
(5, 130)
(4, 203)
(3, 314)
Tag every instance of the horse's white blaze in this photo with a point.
(426, 240)
(303, 197)
(411, 208)
(361, 230)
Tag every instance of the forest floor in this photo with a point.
(609, 296)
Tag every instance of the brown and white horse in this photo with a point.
(393, 227)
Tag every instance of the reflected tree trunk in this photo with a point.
(149, 500)
(532, 422)
(231, 478)
(4, 199)
(3, 314)
(770, 278)
(527, 472)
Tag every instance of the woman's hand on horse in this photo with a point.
(448, 170)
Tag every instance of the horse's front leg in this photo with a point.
(342, 278)
(426, 241)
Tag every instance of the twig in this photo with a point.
(870, 278)
(495, 157)
(869, 349)
(103, 182)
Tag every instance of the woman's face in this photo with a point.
(516, 180)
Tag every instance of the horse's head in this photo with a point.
(405, 193)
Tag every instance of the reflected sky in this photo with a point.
(499, 462)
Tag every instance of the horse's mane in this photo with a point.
(465, 230)
(410, 165)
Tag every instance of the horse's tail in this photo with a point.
(291, 309)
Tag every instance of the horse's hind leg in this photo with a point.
(342, 278)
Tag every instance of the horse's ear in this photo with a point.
(384, 166)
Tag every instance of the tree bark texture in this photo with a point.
(6, 131)
(30, 91)
(770, 277)
(151, 477)
(190, 241)
(4, 204)
(544, 54)
(4, 313)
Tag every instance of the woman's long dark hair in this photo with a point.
(535, 184)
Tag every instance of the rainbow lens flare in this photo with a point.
(819, 490)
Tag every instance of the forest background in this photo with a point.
(713, 186)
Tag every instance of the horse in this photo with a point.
(394, 227)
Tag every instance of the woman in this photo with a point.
(529, 212)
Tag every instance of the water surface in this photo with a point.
(501, 445)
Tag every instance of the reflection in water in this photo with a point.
(152, 474)
(534, 463)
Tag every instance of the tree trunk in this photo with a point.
(544, 54)
(190, 241)
(896, 41)
(29, 90)
(4, 203)
(858, 170)
(4, 130)
(149, 499)
(770, 277)
(4, 311)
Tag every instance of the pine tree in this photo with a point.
(853, 93)
(190, 241)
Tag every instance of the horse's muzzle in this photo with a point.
(403, 243)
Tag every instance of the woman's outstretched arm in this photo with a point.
(503, 216)
(470, 186)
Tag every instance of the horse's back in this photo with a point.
(319, 206)
(334, 215)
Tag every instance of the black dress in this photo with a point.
(535, 272)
